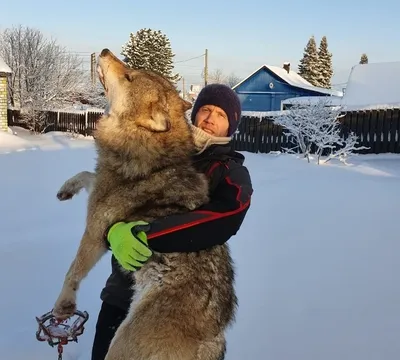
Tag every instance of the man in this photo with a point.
(215, 115)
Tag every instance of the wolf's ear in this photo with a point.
(159, 120)
(186, 105)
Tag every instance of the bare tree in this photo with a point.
(232, 80)
(218, 76)
(215, 76)
(45, 76)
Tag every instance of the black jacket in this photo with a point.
(210, 225)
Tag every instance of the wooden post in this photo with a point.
(206, 68)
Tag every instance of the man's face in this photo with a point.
(213, 120)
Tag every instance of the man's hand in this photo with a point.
(128, 242)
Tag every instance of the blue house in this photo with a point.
(268, 86)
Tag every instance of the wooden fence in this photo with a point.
(378, 130)
(76, 122)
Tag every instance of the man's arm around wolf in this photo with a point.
(210, 225)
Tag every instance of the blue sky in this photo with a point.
(239, 35)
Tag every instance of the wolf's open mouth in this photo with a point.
(101, 77)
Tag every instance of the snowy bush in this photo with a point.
(316, 129)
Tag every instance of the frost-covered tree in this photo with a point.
(308, 66)
(364, 59)
(317, 123)
(150, 50)
(44, 74)
(325, 70)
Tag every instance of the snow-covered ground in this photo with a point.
(19, 139)
(317, 257)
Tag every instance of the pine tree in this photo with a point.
(325, 70)
(364, 59)
(308, 67)
(150, 50)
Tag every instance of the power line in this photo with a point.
(77, 52)
(196, 57)
(190, 66)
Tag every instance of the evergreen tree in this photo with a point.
(150, 50)
(308, 67)
(325, 70)
(364, 59)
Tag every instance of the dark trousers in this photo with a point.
(108, 321)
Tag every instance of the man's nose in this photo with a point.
(211, 117)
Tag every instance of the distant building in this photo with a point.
(268, 86)
(373, 86)
(194, 92)
(5, 71)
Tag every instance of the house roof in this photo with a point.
(334, 100)
(4, 68)
(292, 78)
(372, 86)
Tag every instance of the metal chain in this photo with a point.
(60, 351)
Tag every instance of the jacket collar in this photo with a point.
(220, 151)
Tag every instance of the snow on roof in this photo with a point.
(293, 79)
(333, 100)
(4, 68)
(372, 86)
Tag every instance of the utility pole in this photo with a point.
(93, 68)
(183, 88)
(206, 68)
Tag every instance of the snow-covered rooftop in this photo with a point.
(4, 68)
(293, 79)
(372, 86)
(332, 100)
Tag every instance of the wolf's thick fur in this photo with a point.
(183, 303)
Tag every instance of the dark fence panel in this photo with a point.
(75, 122)
(376, 129)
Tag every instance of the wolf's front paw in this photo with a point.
(64, 308)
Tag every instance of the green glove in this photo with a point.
(128, 243)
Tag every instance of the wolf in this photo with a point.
(183, 302)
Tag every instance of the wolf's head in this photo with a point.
(146, 115)
(143, 98)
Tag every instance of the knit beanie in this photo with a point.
(224, 97)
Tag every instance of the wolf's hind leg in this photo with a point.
(214, 349)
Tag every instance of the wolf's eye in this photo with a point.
(128, 77)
